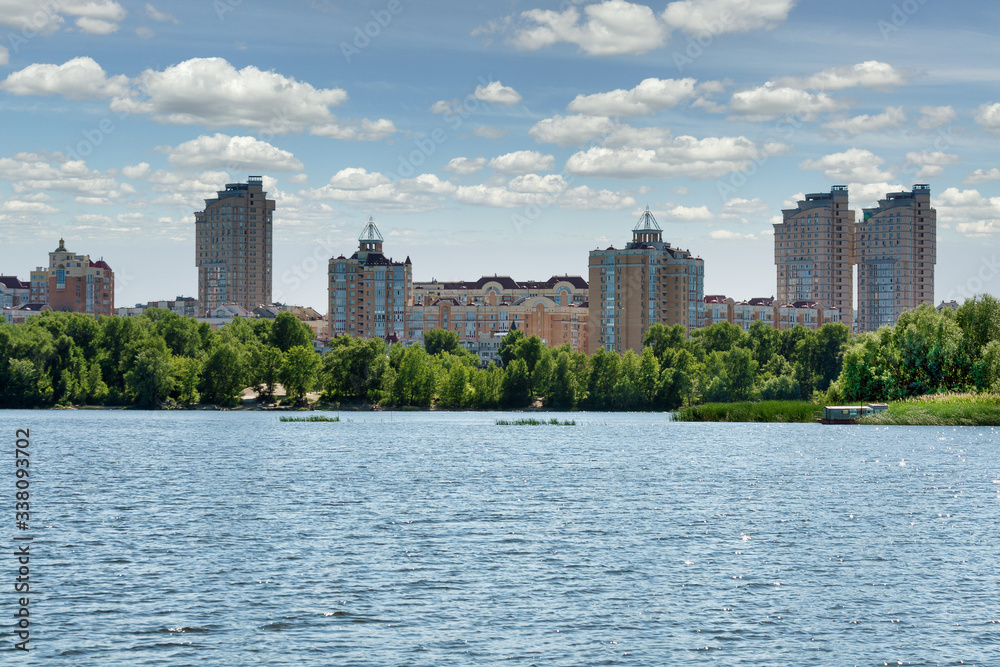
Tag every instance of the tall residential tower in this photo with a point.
(814, 252)
(896, 253)
(233, 247)
(646, 283)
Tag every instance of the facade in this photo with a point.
(810, 314)
(40, 285)
(185, 306)
(561, 290)
(369, 292)
(13, 292)
(78, 285)
(233, 239)
(896, 254)
(20, 314)
(814, 252)
(648, 282)
(478, 323)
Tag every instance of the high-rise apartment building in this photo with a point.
(896, 254)
(233, 247)
(814, 252)
(78, 285)
(368, 291)
(646, 283)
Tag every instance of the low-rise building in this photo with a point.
(79, 285)
(13, 292)
(20, 314)
(810, 314)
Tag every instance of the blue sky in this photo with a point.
(494, 137)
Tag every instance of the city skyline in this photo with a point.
(489, 140)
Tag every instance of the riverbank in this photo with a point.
(940, 410)
(789, 412)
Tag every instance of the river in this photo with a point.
(416, 538)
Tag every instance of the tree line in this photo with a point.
(58, 359)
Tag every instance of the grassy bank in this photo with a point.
(941, 410)
(535, 422)
(764, 411)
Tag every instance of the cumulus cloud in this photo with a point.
(930, 164)
(33, 173)
(869, 74)
(571, 130)
(497, 93)
(653, 152)
(136, 171)
(892, 117)
(649, 96)
(232, 153)
(77, 79)
(934, 117)
(4, 56)
(988, 117)
(549, 190)
(739, 207)
(715, 17)
(772, 101)
(612, 27)
(522, 162)
(213, 93)
(97, 17)
(982, 176)
(854, 165)
(726, 235)
(157, 15)
(356, 130)
(465, 165)
(24, 207)
(373, 189)
(975, 216)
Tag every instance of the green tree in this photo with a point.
(288, 331)
(516, 387)
(720, 337)
(508, 346)
(224, 373)
(438, 341)
(148, 382)
(455, 391)
(298, 373)
(664, 339)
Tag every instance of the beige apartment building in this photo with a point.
(368, 291)
(648, 282)
(770, 311)
(233, 247)
(561, 290)
(896, 253)
(814, 252)
(78, 285)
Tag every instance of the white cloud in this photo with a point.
(989, 117)
(487, 132)
(649, 96)
(156, 15)
(549, 184)
(145, 32)
(136, 171)
(975, 216)
(571, 130)
(23, 207)
(612, 27)
(687, 213)
(232, 153)
(373, 189)
(772, 101)
(96, 26)
(4, 56)
(542, 191)
(356, 130)
(522, 162)
(930, 164)
(869, 74)
(446, 107)
(867, 195)
(32, 173)
(213, 93)
(892, 117)
(632, 153)
(853, 165)
(465, 165)
(99, 17)
(716, 17)
(935, 117)
(726, 235)
(982, 176)
(77, 79)
(497, 93)
(740, 207)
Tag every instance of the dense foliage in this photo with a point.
(160, 357)
(926, 352)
